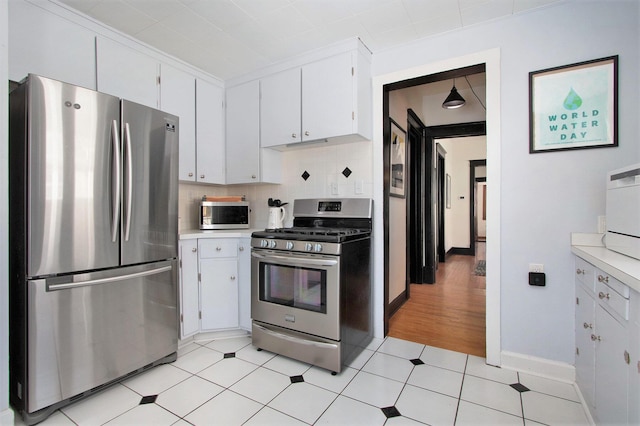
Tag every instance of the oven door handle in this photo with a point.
(295, 261)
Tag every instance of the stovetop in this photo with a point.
(298, 233)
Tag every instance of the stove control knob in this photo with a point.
(317, 247)
(289, 245)
(308, 246)
(264, 243)
(272, 244)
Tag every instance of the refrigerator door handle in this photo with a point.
(127, 137)
(115, 191)
(66, 286)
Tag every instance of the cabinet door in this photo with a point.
(327, 98)
(46, 44)
(280, 113)
(127, 73)
(189, 294)
(243, 133)
(612, 370)
(585, 347)
(244, 283)
(210, 158)
(178, 97)
(219, 293)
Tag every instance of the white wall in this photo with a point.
(459, 152)
(6, 415)
(545, 196)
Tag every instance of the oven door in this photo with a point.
(296, 291)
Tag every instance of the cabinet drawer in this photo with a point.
(616, 285)
(612, 300)
(217, 247)
(585, 273)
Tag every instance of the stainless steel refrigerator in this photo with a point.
(93, 211)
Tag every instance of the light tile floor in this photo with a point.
(392, 382)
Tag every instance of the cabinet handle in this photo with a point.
(241, 248)
(602, 295)
(193, 250)
(218, 248)
(294, 135)
(306, 133)
(594, 338)
(585, 325)
(190, 174)
(253, 176)
(603, 279)
(579, 271)
(201, 176)
(627, 357)
(233, 277)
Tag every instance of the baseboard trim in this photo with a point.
(467, 251)
(7, 417)
(397, 303)
(539, 366)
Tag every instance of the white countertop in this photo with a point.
(624, 268)
(218, 233)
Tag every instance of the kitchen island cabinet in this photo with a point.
(215, 282)
(607, 342)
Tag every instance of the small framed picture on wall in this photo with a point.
(398, 155)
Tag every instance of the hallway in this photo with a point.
(449, 314)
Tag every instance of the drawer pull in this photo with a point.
(193, 250)
(233, 277)
(580, 271)
(585, 325)
(602, 279)
(627, 357)
(602, 295)
(594, 338)
(218, 248)
(241, 248)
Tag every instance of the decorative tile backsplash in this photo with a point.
(332, 171)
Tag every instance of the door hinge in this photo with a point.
(577, 351)
(199, 277)
(353, 115)
(353, 71)
(158, 80)
(180, 263)
(199, 314)
(577, 301)
(181, 318)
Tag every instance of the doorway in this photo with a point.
(491, 58)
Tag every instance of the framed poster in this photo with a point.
(397, 160)
(574, 106)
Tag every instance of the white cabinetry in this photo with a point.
(329, 99)
(215, 285)
(602, 343)
(189, 289)
(178, 97)
(43, 43)
(127, 73)
(209, 151)
(246, 161)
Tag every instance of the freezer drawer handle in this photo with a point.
(66, 286)
(115, 189)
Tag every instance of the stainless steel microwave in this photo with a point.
(224, 215)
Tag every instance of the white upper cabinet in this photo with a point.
(127, 73)
(178, 97)
(280, 108)
(64, 51)
(246, 161)
(325, 100)
(210, 152)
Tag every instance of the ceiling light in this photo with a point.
(454, 100)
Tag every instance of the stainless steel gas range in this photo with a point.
(310, 284)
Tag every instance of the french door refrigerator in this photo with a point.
(93, 211)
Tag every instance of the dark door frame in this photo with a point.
(386, 131)
(472, 203)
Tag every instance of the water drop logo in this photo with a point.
(572, 101)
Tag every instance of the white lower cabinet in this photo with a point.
(215, 275)
(605, 372)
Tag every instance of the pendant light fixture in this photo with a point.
(454, 100)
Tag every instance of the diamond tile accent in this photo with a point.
(149, 399)
(417, 361)
(296, 379)
(520, 387)
(391, 412)
(230, 355)
(305, 175)
(346, 172)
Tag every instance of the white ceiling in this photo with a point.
(229, 38)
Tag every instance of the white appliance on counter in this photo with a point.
(623, 211)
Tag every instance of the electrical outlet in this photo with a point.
(334, 188)
(536, 267)
(359, 186)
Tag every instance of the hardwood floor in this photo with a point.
(449, 314)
